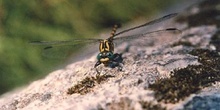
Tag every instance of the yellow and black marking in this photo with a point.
(106, 46)
(106, 55)
(114, 31)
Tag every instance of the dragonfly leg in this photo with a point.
(113, 64)
(97, 64)
(120, 67)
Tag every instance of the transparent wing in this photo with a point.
(160, 37)
(148, 24)
(63, 49)
(65, 42)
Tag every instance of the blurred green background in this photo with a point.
(29, 20)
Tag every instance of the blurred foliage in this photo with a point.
(27, 20)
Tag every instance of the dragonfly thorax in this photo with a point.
(106, 46)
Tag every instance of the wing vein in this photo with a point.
(149, 23)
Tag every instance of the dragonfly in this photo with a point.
(106, 53)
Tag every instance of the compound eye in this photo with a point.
(109, 54)
(99, 56)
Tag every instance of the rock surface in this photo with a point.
(148, 72)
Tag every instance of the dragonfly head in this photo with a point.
(106, 46)
(105, 57)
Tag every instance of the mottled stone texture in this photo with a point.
(175, 71)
